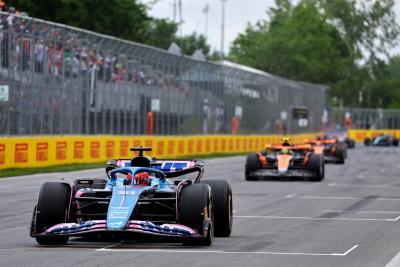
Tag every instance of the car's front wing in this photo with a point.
(331, 159)
(134, 226)
(276, 173)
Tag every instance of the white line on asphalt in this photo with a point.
(313, 218)
(355, 185)
(348, 251)
(398, 218)
(363, 211)
(110, 246)
(343, 198)
(394, 262)
(360, 176)
(291, 195)
(18, 199)
(318, 197)
(14, 228)
(228, 252)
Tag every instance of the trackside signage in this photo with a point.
(40, 151)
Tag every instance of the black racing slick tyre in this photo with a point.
(395, 142)
(367, 142)
(90, 183)
(252, 164)
(196, 206)
(51, 209)
(341, 154)
(223, 211)
(350, 143)
(317, 166)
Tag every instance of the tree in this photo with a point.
(369, 27)
(190, 43)
(298, 45)
(340, 43)
(161, 33)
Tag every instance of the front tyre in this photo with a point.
(223, 211)
(196, 212)
(51, 209)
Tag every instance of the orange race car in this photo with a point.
(285, 161)
(332, 150)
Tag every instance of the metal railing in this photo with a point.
(56, 79)
(366, 118)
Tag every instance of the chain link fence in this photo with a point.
(364, 118)
(55, 79)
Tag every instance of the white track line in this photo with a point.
(342, 198)
(109, 247)
(318, 197)
(350, 250)
(363, 211)
(313, 218)
(361, 186)
(394, 262)
(398, 218)
(227, 252)
(14, 228)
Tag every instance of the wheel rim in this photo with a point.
(230, 212)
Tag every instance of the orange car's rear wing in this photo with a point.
(293, 147)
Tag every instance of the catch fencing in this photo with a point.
(366, 118)
(60, 80)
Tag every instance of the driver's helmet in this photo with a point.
(141, 179)
(285, 141)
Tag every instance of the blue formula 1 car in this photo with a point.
(382, 140)
(142, 198)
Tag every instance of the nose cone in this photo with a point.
(282, 171)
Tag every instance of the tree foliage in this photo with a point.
(190, 43)
(341, 43)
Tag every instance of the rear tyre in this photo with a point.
(317, 166)
(350, 143)
(196, 205)
(223, 212)
(367, 141)
(340, 154)
(97, 184)
(395, 142)
(51, 209)
(252, 164)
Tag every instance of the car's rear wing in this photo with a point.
(165, 165)
(293, 147)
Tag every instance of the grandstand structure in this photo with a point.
(60, 80)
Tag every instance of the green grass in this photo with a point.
(86, 166)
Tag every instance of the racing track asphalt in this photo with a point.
(352, 218)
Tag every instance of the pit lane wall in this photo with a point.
(359, 134)
(41, 151)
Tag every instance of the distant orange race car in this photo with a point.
(285, 161)
(332, 150)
